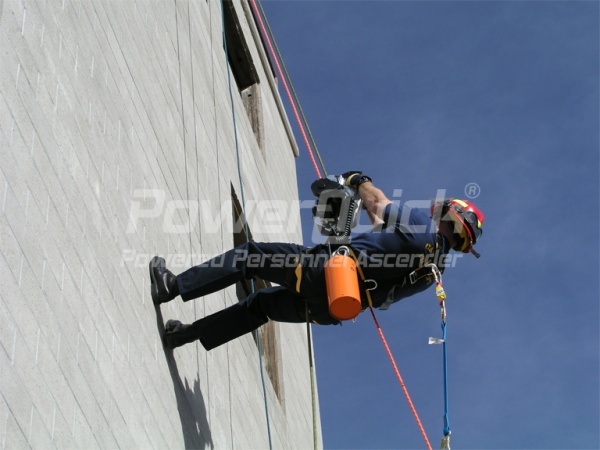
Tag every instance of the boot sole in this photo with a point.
(168, 338)
(155, 262)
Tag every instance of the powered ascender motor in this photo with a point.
(337, 208)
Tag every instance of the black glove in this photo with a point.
(355, 179)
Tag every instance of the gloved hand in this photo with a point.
(354, 178)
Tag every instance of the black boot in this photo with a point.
(163, 284)
(178, 334)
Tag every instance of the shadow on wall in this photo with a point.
(190, 402)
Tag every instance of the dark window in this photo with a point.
(243, 70)
(269, 333)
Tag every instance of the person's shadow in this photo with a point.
(190, 402)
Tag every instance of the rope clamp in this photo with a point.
(443, 313)
(342, 250)
(436, 273)
(370, 288)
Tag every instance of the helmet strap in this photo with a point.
(459, 242)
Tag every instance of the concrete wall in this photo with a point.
(116, 144)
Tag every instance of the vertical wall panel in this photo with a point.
(116, 144)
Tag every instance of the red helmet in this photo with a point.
(467, 218)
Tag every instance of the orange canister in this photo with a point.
(341, 278)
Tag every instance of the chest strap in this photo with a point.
(413, 277)
(421, 272)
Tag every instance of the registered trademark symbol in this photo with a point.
(472, 190)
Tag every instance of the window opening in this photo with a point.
(243, 70)
(269, 333)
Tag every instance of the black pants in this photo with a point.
(274, 262)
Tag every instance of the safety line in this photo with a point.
(237, 153)
(311, 370)
(441, 296)
(445, 368)
(286, 87)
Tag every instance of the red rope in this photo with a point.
(285, 85)
(406, 394)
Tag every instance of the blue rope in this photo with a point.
(246, 231)
(446, 418)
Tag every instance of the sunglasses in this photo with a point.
(473, 223)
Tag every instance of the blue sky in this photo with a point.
(433, 95)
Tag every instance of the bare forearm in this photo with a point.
(374, 201)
